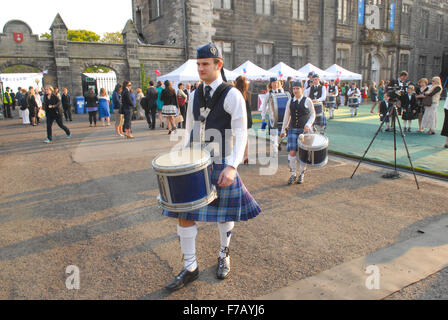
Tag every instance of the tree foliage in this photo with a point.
(88, 36)
(112, 37)
(97, 69)
(20, 68)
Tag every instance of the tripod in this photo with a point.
(395, 174)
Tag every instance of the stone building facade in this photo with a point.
(377, 38)
(66, 60)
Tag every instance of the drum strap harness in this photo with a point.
(207, 107)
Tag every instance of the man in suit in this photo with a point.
(151, 105)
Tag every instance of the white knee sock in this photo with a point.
(293, 164)
(188, 246)
(225, 233)
(302, 168)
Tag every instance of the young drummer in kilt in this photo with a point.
(299, 118)
(234, 203)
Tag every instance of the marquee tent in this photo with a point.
(283, 71)
(306, 69)
(254, 72)
(188, 72)
(340, 73)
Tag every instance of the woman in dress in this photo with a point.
(140, 111)
(421, 90)
(429, 120)
(32, 106)
(160, 103)
(170, 107)
(373, 96)
(128, 109)
(241, 84)
(104, 107)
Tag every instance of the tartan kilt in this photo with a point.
(293, 139)
(321, 121)
(234, 203)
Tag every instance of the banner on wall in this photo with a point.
(392, 16)
(361, 11)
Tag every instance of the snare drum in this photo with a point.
(313, 150)
(277, 108)
(353, 102)
(184, 179)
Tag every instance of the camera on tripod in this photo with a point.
(395, 91)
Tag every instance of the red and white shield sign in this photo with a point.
(18, 37)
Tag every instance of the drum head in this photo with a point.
(185, 159)
(313, 142)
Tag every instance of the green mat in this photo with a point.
(351, 137)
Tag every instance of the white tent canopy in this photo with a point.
(283, 71)
(306, 69)
(340, 73)
(188, 72)
(253, 72)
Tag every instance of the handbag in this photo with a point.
(427, 101)
(179, 118)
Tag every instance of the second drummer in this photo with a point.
(299, 118)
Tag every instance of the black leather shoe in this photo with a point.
(223, 266)
(184, 278)
(292, 180)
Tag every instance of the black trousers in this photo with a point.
(127, 119)
(7, 110)
(58, 119)
(151, 117)
(68, 113)
(183, 112)
(92, 117)
(445, 124)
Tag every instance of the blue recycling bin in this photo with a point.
(80, 102)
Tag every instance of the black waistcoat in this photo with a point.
(299, 114)
(315, 94)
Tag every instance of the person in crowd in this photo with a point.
(354, 93)
(160, 103)
(242, 84)
(384, 112)
(422, 89)
(119, 118)
(409, 107)
(24, 107)
(39, 103)
(134, 105)
(17, 100)
(445, 123)
(140, 111)
(53, 110)
(32, 106)
(373, 96)
(429, 120)
(364, 92)
(128, 109)
(182, 99)
(7, 103)
(170, 107)
(92, 106)
(151, 105)
(343, 91)
(104, 107)
(381, 90)
(67, 105)
(57, 93)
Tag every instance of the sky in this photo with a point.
(99, 16)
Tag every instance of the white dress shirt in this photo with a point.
(265, 105)
(234, 105)
(323, 98)
(308, 104)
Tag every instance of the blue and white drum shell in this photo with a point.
(184, 179)
(353, 102)
(319, 108)
(331, 100)
(313, 150)
(277, 108)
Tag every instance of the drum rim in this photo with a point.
(189, 206)
(276, 121)
(184, 169)
(319, 148)
(319, 165)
